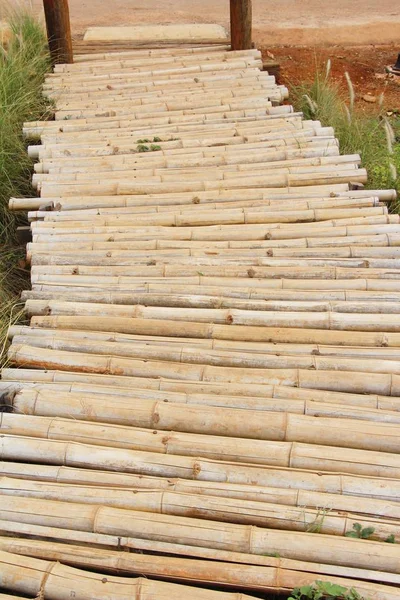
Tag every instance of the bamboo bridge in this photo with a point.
(206, 400)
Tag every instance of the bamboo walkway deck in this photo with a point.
(209, 388)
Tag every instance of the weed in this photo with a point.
(324, 589)
(143, 148)
(23, 65)
(316, 525)
(360, 532)
(153, 148)
(391, 539)
(357, 132)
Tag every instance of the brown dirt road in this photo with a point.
(293, 22)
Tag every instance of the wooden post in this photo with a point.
(58, 30)
(241, 24)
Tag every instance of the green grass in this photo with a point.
(357, 131)
(23, 65)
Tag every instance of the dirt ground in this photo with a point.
(274, 21)
(299, 33)
(365, 65)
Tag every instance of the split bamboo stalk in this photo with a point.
(368, 474)
(220, 173)
(308, 491)
(221, 217)
(126, 284)
(186, 344)
(377, 383)
(109, 201)
(268, 181)
(249, 576)
(370, 226)
(88, 214)
(186, 354)
(119, 162)
(277, 516)
(348, 552)
(217, 421)
(191, 392)
(293, 428)
(205, 330)
(135, 260)
(25, 479)
(363, 322)
(230, 142)
(146, 294)
(85, 202)
(33, 576)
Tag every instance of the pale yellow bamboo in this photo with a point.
(350, 227)
(264, 514)
(148, 293)
(371, 473)
(122, 522)
(190, 392)
(362, 360)
(211, 421)
(118, 488)
(308, 320)
(124, 187)
(134, 261)
(265, 205)
(74, 203)
(289, 574)
(116, 201)
(379, 383)
(54, 580)
(197, 329)
(218, 217)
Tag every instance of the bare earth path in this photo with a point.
(275, 21)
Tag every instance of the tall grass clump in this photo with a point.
(370, 135)
(24, 61)
(23, 65)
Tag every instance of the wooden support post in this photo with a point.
(241, 24)
(58, 30)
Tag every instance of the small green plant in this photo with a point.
(316, 525)
(154, 148)
(272, 554)
(157, 139)
(324, 589)
(391, 539)
(144, 141)
(23, 66)
(143, 148)
(360, 532)
(373, 136)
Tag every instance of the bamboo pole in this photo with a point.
(187, 354)
(259, 425)
(118, 488)
(330, 319)
(85, 202)
(277, 516)
(192, 392)
(369, 473)
(197, 329)
(203, 533)
(377, 383)
(291, 573)
(52, 579)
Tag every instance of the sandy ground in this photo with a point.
(291, 22)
